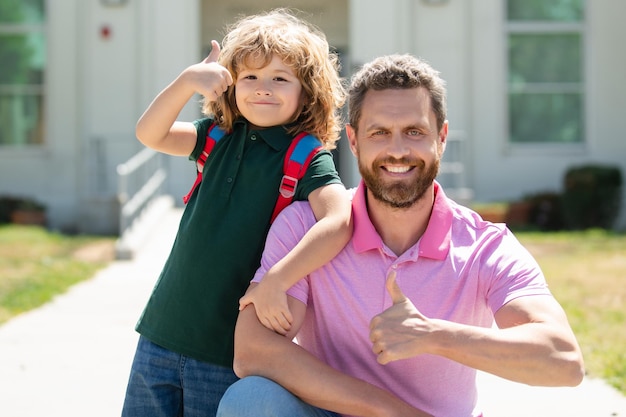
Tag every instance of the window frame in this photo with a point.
(539, 28)
(29, 89)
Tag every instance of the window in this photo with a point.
(23, 58)
(545, 71)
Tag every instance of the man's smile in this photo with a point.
(397, 169)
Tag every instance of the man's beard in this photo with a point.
(399, 194)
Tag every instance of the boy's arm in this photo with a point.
(324, 240)
(260, 351)
(158, 129)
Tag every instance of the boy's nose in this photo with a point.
(263, 89)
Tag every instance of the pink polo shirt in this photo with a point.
(463, 269)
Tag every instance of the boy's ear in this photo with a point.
(304, 99)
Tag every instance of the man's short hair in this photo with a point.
(396, 72)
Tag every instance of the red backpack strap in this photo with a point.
(213, 135)
(297, 159)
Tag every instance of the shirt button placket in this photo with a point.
(386, 298)
(392, 268)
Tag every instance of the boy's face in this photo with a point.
(268, 96)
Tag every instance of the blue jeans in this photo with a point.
(255, 396)
(166, 384)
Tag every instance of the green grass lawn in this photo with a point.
(585, 270)
(36, 265)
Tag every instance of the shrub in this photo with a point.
(546, 212)
(591, 196)
(9, 205)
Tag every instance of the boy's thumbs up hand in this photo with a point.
(398, 332)
(214, 54)
(208, 77)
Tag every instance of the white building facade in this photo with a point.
(534, 87)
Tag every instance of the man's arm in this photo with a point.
(260, 351)
(533, 343)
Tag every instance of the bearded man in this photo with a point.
(424, 294)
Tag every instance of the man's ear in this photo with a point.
(351, 138)
(443, 137)
(443, 133)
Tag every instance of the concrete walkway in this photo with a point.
(71, 357)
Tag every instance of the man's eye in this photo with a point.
(413, 133)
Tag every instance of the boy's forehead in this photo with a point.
(256, 59)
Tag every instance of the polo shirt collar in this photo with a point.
(276, 137)
(435, 242)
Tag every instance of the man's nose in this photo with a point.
(398, 146)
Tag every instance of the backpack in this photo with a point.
(297, 159)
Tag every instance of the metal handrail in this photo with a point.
(140, 182)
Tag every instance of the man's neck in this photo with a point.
(401, 228)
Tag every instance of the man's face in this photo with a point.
(397, 146)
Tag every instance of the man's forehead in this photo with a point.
(399, 105)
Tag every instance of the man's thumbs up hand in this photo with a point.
(397, 332)
(394, 289)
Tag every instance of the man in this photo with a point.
(399, 321)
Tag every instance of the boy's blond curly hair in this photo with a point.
(302, 47)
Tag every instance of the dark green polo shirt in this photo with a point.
(194, 305)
